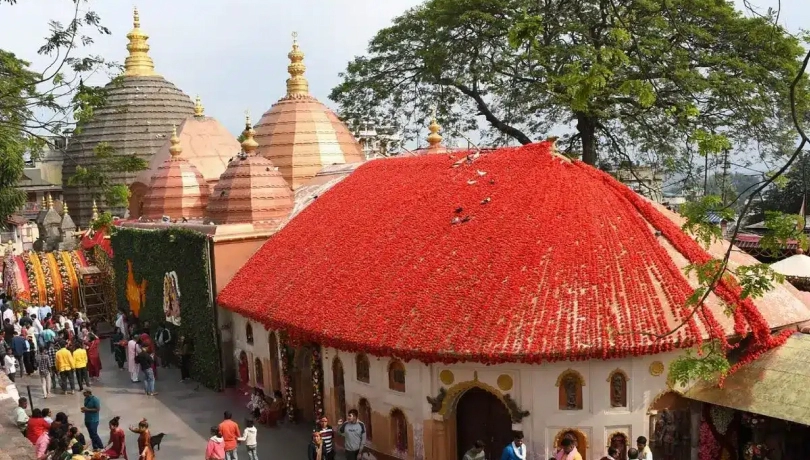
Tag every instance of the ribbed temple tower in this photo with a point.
(141, 109)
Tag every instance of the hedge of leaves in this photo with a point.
(153, 254)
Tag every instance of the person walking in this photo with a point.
(119, 348)
(20, 347)
(186, 347)
(315, 450)
(64, 365)
(93, 356)
(215, 450)
(132, 352)
(354, 435)
(45, 365)
(146, 362)
(52, 349)
(249, 438)
(327, 438)
(80, 366)
(163, 340)
(230, 435)
(91, 409)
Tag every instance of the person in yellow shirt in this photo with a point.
(64, 365)
(80, 367)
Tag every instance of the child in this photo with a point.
(215, 450)
(10, 363)
(249, 438)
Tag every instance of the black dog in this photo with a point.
(156, 440)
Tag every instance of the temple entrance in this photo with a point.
(339, 384)
(480, 415)
(244, 370)
(275, 374)
(621, 443)
(301, 382)
(578, 437)
(670, 427)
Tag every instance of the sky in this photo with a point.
(234, 53)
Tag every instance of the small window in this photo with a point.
(361, 361)
(365, 416)
(396, 376)
(570, 385)
(259, 373)
(249, 334)
(399, 430)
(618, 388)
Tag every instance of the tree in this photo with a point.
(635, 78)
(37, 105)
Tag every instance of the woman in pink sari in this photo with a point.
(93, 357)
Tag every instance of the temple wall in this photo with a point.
(230, 256)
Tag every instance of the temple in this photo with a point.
(137, 119)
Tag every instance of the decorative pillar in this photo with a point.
(316, 368)
(286, 381)
(438, 449)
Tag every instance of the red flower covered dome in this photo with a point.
(250, 190)
(518, 255)
(178, 189)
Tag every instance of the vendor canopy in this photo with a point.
(513, 255)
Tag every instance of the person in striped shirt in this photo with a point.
(327, 436)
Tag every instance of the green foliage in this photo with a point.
(104, 220)
(781, 228)
(637, 78)
(154, 253)
(97, 178)
(697, 218)
(35, 105)
(707, 364)
(788, 192)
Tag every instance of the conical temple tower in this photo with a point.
(137, 119)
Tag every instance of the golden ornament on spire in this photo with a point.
(64, 208)
(95, 211)
(44, 202)
(434, 138)
(199, 110)
(138, 63)
(50, 201)
(249, 145)
(297, 84)
(176, 149)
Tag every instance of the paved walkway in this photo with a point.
(184, 411)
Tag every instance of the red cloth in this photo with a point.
(93, 359)
(119, 447)
(230, 431)
(36, 426)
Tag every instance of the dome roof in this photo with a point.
(301, 135)
(137, 119)
(250, 190)
(177, 190)
(207, 144)
(489, 257)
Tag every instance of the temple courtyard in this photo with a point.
(184, 411)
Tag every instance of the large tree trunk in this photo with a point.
(587, 133)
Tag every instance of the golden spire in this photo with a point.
(95, 211)
(434, 138)
(44, 202)
(50, 201)
(175, 150)
(297, 84)
(64, 208)
(199, 110)
(249, 145)
(138, 63)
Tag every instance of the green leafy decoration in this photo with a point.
(707, 364)
(153, 254)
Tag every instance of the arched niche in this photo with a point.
(579, 437)
(570, 385)
(618, 389)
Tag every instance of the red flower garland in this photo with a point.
(710, 449)
(491, 261)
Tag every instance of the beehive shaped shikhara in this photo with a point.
(137, 118)
(517, 255)
(300, 135)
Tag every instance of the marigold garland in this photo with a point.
(49, 259)
(33, 283)
(39, 275)
(316, 370)
(285, 373)
(64, 276)
(489, 270)
(72, 276)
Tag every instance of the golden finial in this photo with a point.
(249, 145)
(434, 138)
(44, 202)
(175, 150)
(138, 63)
(50, 201)
(64, 208)
(297, 84)
(199, 110)
(95, 211)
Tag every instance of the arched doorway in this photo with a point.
(621, 443)
(339, 384)
(275, 374)
(579, 438)
(244, 369)
(303, 389)
(480, 415)
(670, 427)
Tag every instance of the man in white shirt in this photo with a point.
(644, 452)
(20, 416)
(8, 313)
